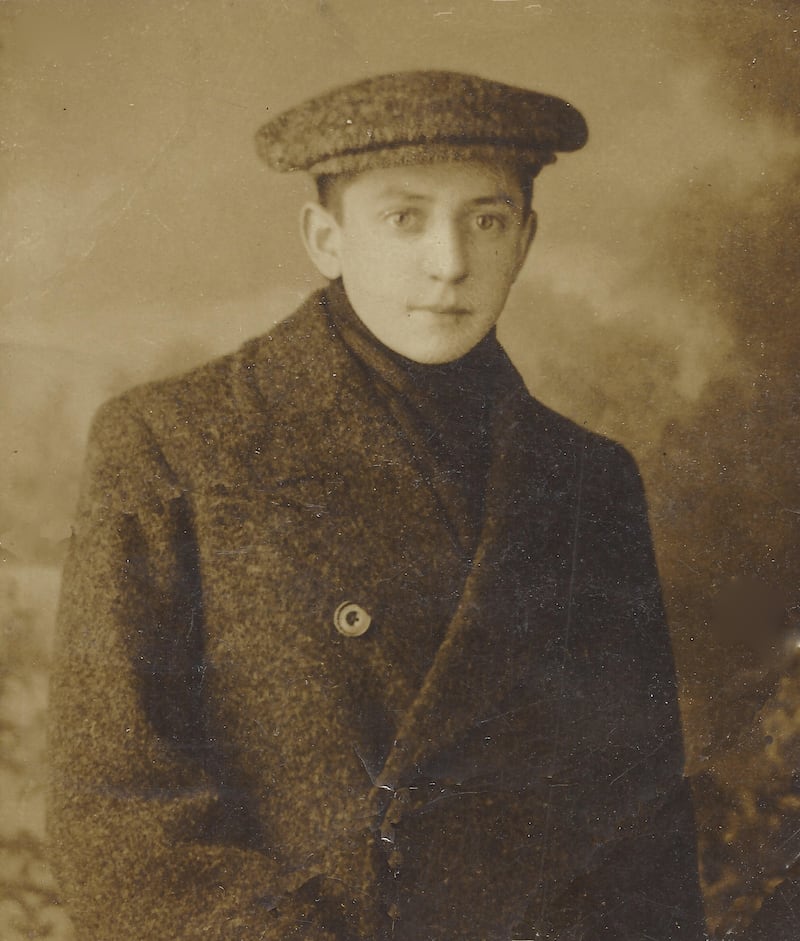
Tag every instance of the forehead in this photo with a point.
(460, 181)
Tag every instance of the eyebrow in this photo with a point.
(398, 192)
(505, 198)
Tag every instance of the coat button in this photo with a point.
(351, 620)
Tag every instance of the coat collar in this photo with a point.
(317, 406)
(327, 418)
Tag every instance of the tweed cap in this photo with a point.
(418, 117)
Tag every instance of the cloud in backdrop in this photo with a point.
(658, 305)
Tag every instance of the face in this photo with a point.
(427, 253)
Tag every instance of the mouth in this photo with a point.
(441, 310)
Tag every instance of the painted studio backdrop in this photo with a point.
(142, 236)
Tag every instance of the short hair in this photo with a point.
(331, 186)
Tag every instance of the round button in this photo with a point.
(351, 620)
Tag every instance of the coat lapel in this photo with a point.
(490, 641)
(327, 429)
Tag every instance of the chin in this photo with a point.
(437, 356)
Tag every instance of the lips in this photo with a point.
(451, 309)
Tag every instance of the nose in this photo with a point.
(445, 254)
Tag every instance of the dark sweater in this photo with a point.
(443, 409)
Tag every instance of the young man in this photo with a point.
(358, 640)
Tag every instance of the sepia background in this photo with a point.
(141, 236)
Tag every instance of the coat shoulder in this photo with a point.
(183, 430)
(216, 392)
(210, 394)
(570, 438)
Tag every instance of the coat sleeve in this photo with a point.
(148, 838)
(637, 877)
(645, 880)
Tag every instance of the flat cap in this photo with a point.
(414, 117)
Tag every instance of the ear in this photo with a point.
(530, 225)
(322, 238)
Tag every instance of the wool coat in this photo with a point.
(498, 756)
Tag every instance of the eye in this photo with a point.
(403, 219)
(489, 222)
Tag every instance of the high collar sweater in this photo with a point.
(444, 410)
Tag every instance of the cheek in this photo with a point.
(495, 272)
(371, 263)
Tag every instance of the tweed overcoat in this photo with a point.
(499, 756)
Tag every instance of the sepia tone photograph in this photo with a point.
(398, 499)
